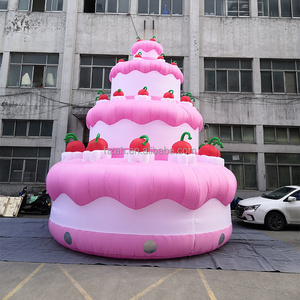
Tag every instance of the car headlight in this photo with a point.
(252, 207)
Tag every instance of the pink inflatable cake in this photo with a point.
(140, 189)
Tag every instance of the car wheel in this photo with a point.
(275, 221)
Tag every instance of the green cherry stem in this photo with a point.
(218, 142)
(70, 136)
(184, 134)
(100, 92)
(97, 138)
(145, 88)
(171, 91)
(144, 137)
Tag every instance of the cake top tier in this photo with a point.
(149, 49)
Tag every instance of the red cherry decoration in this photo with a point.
(209, 149)
(121, 60)
(140, 144)
(169, 94)
(174, 63)
(75, 145)
(143, 91)
(138, 39)
(162, 56)
(139, 54)
(153, 39)
(97, 144)
(102, 96)
(118, 93)
(188, 98)
(182, 146)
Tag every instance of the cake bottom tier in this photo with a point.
(162, 230)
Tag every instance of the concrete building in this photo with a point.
(240, 59)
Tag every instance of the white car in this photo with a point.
(275, 209)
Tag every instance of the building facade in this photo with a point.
(240, 60)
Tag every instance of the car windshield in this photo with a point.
(279, 193)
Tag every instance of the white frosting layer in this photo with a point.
(161, 135)
(164, 217)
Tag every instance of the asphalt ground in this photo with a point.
(21, 281)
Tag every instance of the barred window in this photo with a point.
(282, 169)
(33, 70)
(279, 8)
(228, 75)
(160, 7)
(95, 69)
(31, 128)
(24, 164)
(232, 133)
(41, 5)
(243, 166)
(231, 8)
(282, 135)
(280, 76)
(106, 6)
(3, 4)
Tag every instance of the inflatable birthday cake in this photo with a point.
(141, 189)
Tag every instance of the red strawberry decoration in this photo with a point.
(143, 91)
(153, 39)
(138, 55)
(188, 98)
(75, 145)
(209, 149)
(162, 56)
(182, 146)
(169, 94)
(140, 144)
(174, 63)
(102, 96)
(118, 93)
(138, 39)
(97, 144)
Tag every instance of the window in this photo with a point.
(243, 166)
(280, 76)
(33, 70)
(24, 164)
(179, 61)
(3, 4)
(106, 6)
(160, 7)
(282, 135)
(41, 5)
(279, 8)
(27, 128)
(232, 8)
(95, 69)
(228, 75)
(282, 169)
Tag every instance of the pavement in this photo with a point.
(43, 281)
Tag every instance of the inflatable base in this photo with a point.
(138, 246)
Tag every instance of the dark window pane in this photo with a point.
(284, 175)
(294, 136)
(154, 7)
(4, 170)
(165, 7)
(34, 128)
(38, 5)
(112, 6)
(271, 177)
(281, 134)
(106, 78)
(209, 63)
(89, 6)
(213, 131)
(278, 82)
(283, 65)
(266, 82)
(14, 76)
(269, 134)
(210, 81)
(295, 175)
(298, 81)
(250, 158)
(8, 128)
(265, 64)
(246, 64)
(288, 158)
(85, 60)
(85, 77)
(296, 8)
(100, 6)
(209, 7)
(143, 7)
(123, 6)
(233, 81)
(15, 58)
(24, 4)
(238, 171)
(16, 170)
(25, 152)
(270, 158)
(220, 7)
(104, 61)
(44, 152)
(225, 133)
(248, 134)
(274, 12)
(97, 78)
(237, 134)
(246, 82)
(46, 128)
(30, 169)
(286, 8)
(42, 170)
(21, 127)
(250, 177)
(233, 8)
(227, 64)
(34, 58)
(5, 151)
(38, 76)
(177, 7)
(290, 82)
(53, 59)
(221, 81)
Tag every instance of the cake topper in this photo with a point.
(75, 145)
(209, 149)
